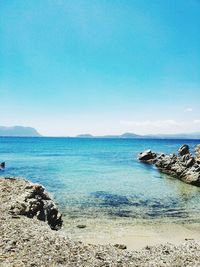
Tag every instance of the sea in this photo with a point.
(100, 184)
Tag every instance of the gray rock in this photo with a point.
(197, 150)
(190, 162)
(184, 167)
(147, 156)
(185, 158)
(81, 226)
(2, 166)
(120, 246)
(183, 150)
(35, 202)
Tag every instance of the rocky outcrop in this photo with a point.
(33, 201)
(147, 156)
(184, 150)
(183, 166)
(197, 150)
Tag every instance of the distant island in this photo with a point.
(18, 131)
(137, 136)
(21, 131)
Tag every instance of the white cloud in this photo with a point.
(161, 126)
(150, 123)
(196, 121)
(188, 110)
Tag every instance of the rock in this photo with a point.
(81, 226)
(186, 157)
(2, 165)
(197, 150)
(35, 202)
(190, 162)
(184, 167)
(183, 150)
(191, 177)
(147, 156)
(10, 178)
(120, 246)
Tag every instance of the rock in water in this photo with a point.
(184, 167)
(147, 156)
(183, 150)
(33, 201)
(2, 165)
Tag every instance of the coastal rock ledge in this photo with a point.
(31, 200)
(183, 166)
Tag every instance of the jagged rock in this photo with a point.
(147, 156)
(183, 150)
(197, 150)
(184, 167)
(35, 202)
(190, 162)
(2, 165)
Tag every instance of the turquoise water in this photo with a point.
(102, 178)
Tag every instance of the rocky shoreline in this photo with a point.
(32, 201)
(27, 238)
(183, 166)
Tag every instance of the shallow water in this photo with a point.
(101, 180)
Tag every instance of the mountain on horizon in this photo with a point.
(18, 131)
(85, 136)
(150, 136)
(22, 131)
(175, 136)
(129, 135)
(125, 135)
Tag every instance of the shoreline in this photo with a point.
(134, 237)
(31, 242)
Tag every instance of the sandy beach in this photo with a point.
(135, 237)
(31, 242)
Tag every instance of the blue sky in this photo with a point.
(100, 66)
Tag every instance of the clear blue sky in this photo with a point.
(105, 66)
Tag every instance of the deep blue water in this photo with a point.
(102, 177)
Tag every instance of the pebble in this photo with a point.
(81, 226)
(120, 246)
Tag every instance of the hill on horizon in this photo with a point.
(18, 131)
(148, 136)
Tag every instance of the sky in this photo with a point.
(100, 66)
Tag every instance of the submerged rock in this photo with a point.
(185, 166)
(110, 199)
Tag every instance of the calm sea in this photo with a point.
(102, 178)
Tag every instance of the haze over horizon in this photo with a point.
(100, 67)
